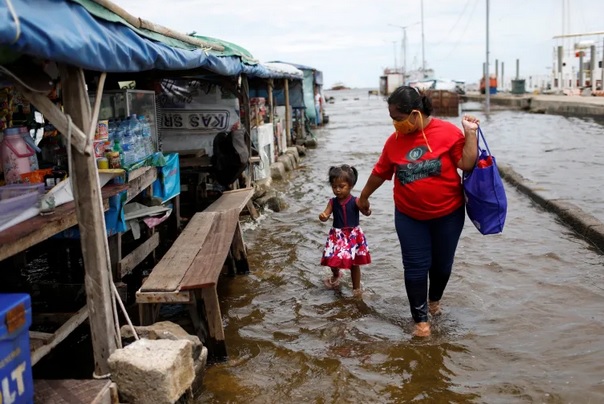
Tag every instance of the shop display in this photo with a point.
(129, 117)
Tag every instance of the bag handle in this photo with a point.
(481, 136)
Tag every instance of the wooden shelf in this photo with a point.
(20, 237)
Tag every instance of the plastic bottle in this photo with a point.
(125, 140)
(137, 138)
(146, 132)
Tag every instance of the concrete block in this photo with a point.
(153, 371)
(261, 187)
(293, 151)
(301, 150)
(310, 143)
(163, 330)
(272, 200)
(278, 171)
(200, 364)
(287, 161)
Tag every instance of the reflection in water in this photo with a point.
(522, 314)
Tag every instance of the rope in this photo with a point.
(119, 300)
(18, 80)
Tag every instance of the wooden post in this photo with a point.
(245, 105)
(91, 221)
(269, 90)
(288, 114)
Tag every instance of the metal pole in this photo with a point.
(423, 50)
(497, 71)
(487, 84)
(394, 47)
(602, 70)
(404, 52)
(517, 69)
(592, 67)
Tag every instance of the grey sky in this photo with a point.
(352, 41)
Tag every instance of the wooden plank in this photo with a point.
(86, 391)
(168, 273)
(129, 262)
(236, 200)
(163, 297)
(58, 119)
(141, 182)
(60, 335)
(207, 265)
(22, 236)
(91, 221)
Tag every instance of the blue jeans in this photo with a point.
(318, 117)
(428, 249)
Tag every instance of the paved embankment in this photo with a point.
(583, 223)
(547, 104)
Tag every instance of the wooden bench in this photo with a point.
(189, 271)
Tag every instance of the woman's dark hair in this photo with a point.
(343, 172)
(406, 99)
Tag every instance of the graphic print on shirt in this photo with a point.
(416, 170)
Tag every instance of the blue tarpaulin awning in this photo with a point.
(67, 32)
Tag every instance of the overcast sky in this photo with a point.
(351, 41)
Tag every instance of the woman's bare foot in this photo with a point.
(357, 292)
(434, 308)
(422, 329)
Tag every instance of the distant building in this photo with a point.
(577, 61)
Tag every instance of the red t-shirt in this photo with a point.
(426, 183)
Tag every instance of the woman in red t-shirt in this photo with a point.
(423, 155)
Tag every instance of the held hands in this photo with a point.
(363, 205)
(470, 123)
(323, 217)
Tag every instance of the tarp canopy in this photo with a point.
(317, 74)
(296, 93)
(84, 34)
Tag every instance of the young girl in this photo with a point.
(346, 247)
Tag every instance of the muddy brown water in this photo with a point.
(523, 317)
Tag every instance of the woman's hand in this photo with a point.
(470, 123)
(363, 205)
(323, 217)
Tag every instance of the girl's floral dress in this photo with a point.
(346, 244)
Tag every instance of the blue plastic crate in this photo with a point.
(16, 381)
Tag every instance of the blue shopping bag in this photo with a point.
(486, 203)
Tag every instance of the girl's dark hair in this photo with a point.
(406, 99)
(343, 172)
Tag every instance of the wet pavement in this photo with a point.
(522, 315)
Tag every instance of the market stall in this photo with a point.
(271, 114)
(62, 75)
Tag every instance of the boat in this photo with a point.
(339, 86)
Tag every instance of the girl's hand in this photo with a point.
(363, 205)
(470, 123)
(323, 217)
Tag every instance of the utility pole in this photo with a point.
(404, 45)
(423, 50)
(394, 47)
(487, 84)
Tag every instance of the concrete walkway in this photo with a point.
(546, 104)
(586, 225)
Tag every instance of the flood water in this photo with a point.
(523, 315)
